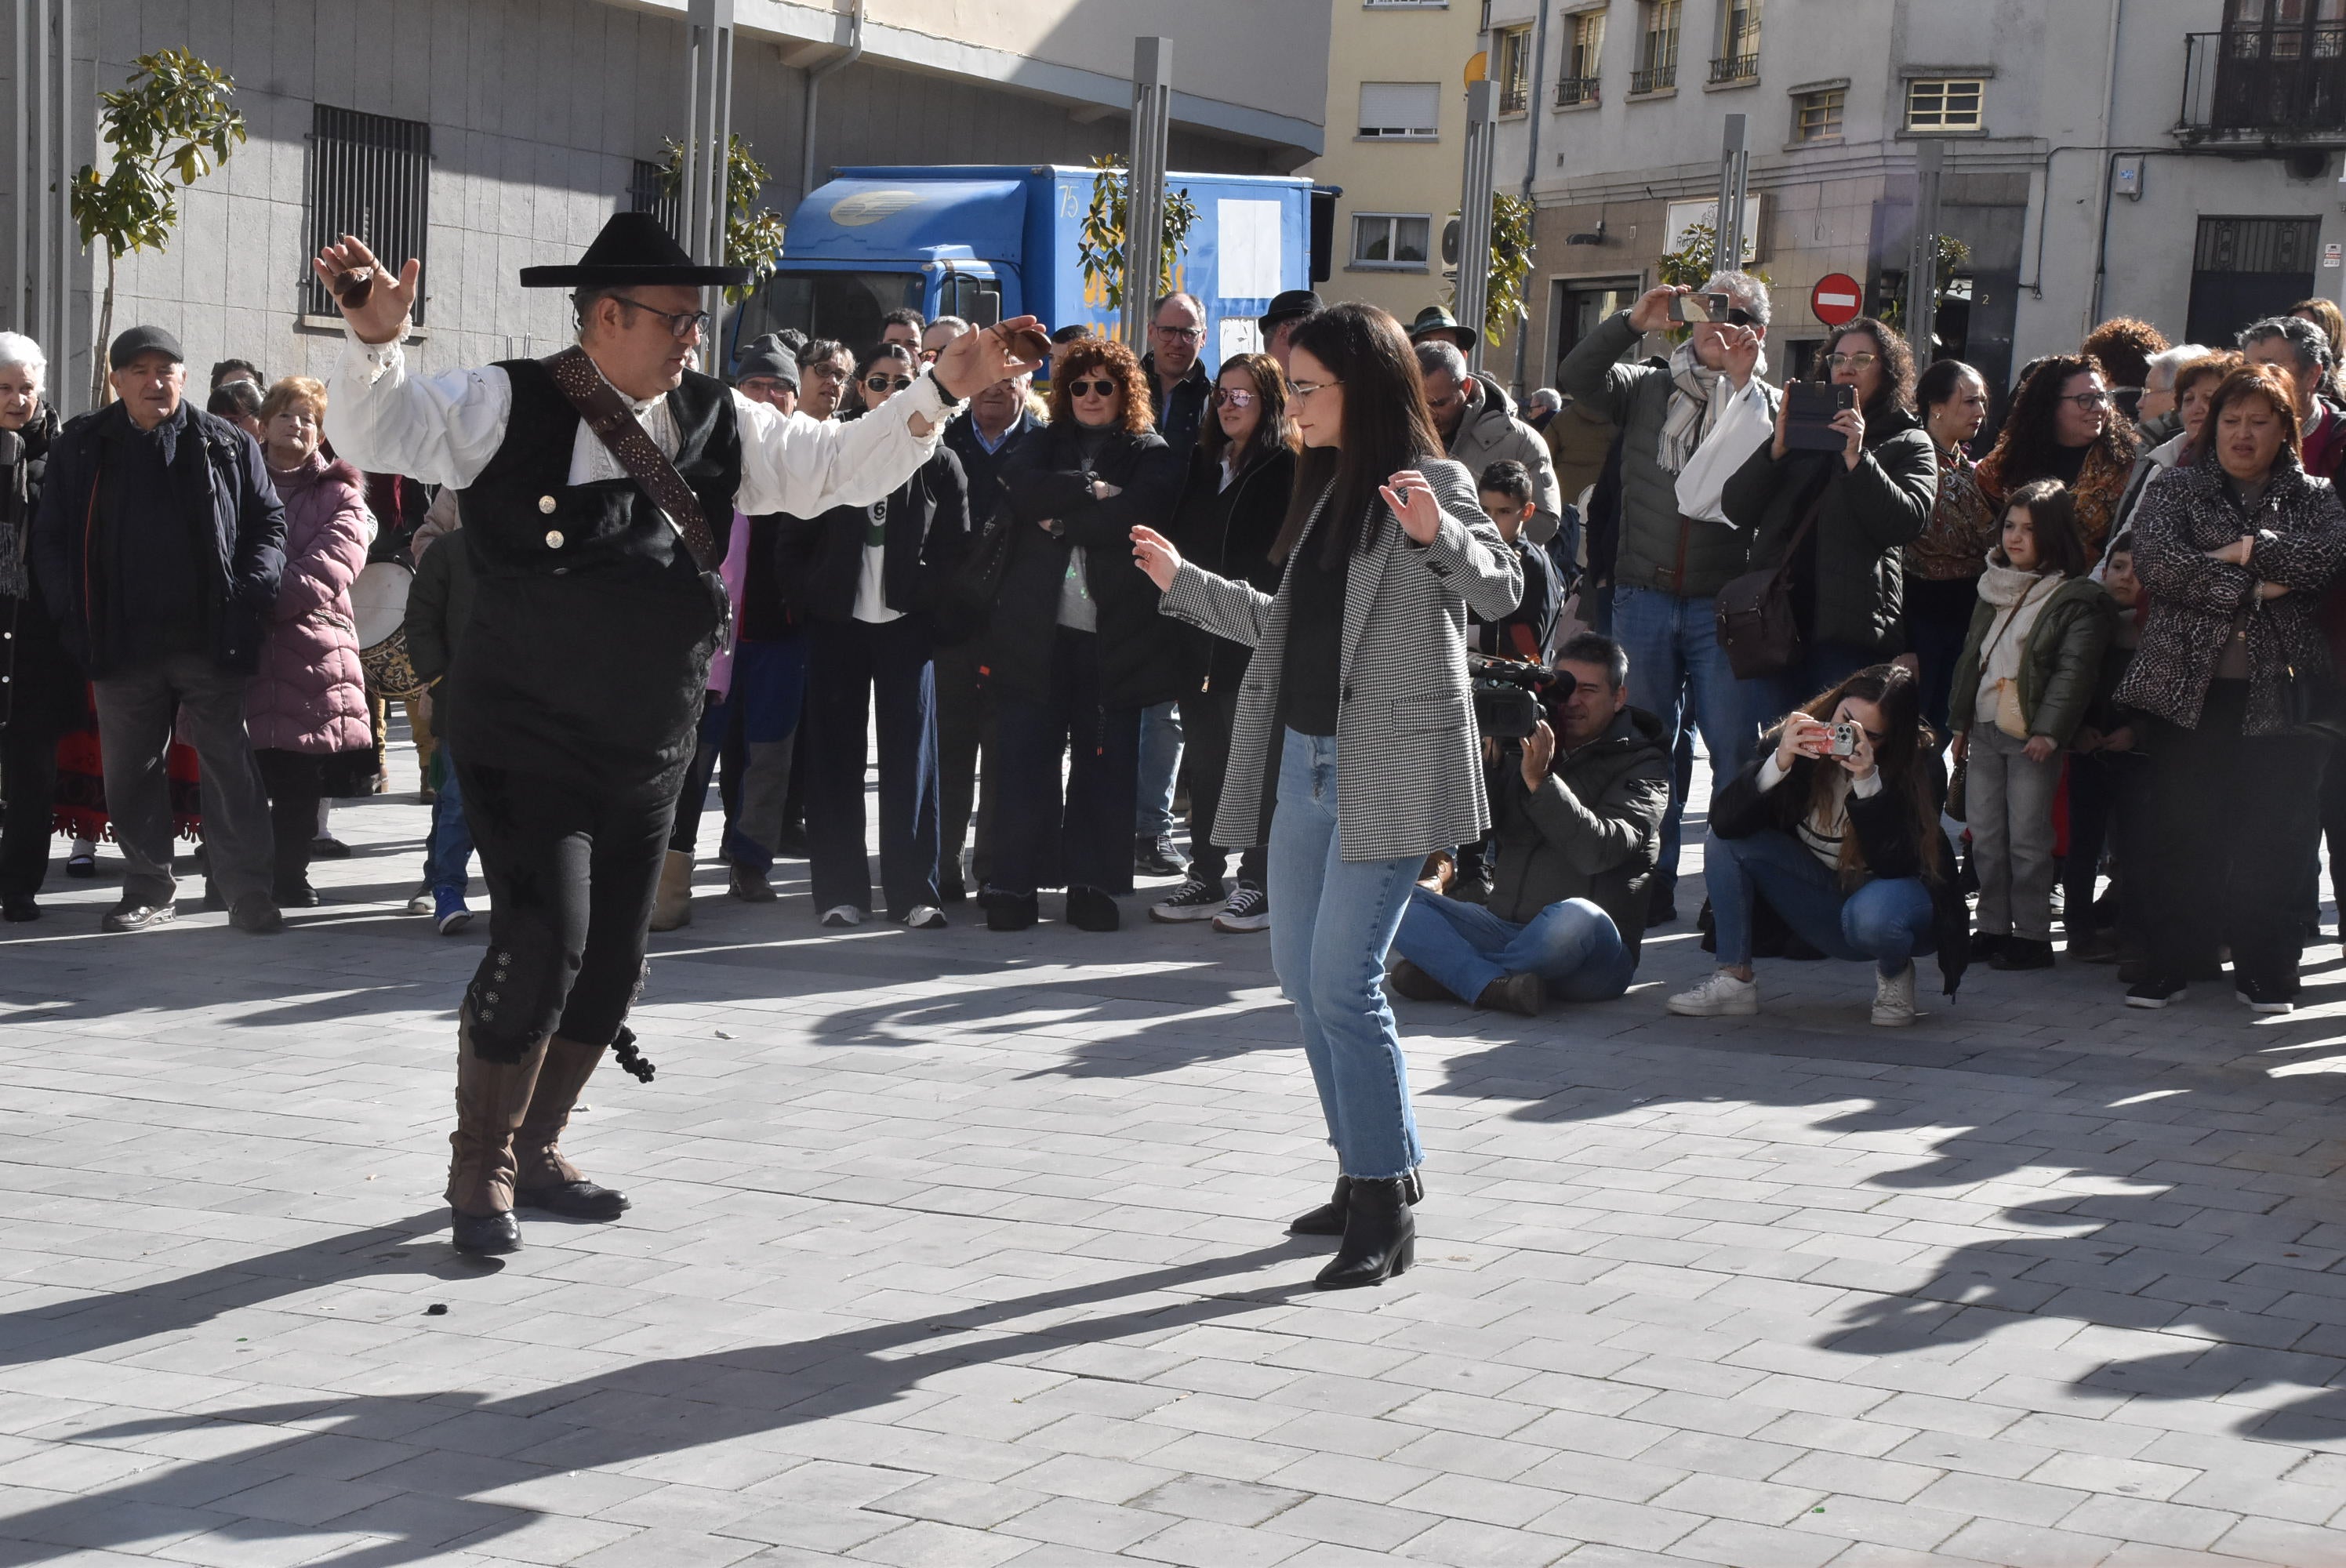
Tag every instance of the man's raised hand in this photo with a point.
(976, 361)
(374, 302)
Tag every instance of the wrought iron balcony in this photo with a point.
(2286, 85)
(1654, 79)
(1736, 68)
(1573, 91)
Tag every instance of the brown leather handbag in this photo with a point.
(1754, 612)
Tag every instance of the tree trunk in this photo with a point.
(99, 387)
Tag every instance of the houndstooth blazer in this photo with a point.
(1409, 764)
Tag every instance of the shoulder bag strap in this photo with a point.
(607, 413)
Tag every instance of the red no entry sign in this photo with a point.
(1836, 298)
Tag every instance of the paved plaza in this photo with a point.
(954, 1250)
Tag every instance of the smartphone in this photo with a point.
(1699, 308)
(1845, 739)
(1808, 411)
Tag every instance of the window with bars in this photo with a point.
(1395, 240)
(371, 176)
(1512, 50)
(1739, 42)
(1943, 103)
(1401, 111)
(1658, 46)
(1581, 57)
(1816, 116)
(647, 191)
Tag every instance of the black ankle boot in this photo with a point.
(1327, 1219)
(1380, 1237)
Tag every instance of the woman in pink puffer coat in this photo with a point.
(306, 711)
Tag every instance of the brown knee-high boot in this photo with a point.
(547, 1179)
(492, 1099)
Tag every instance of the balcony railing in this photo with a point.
(1736, 68)
(2285, 86)
(1654, 78)
(1575, 90)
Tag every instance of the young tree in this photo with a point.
(172, 118)
(753, 234)
(1101, 247)
(1511, 264)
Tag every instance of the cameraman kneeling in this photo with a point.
(1577, 824)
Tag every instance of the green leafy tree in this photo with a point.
(753, 234)
(1100, 247)
(1696, 259)
(1511, 263)
(171, 121)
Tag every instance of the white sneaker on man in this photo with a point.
(842, 915)
(1893, 998)
(1720, 996)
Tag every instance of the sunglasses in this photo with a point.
(1234, 399)
(886, 383)
(1100, 388)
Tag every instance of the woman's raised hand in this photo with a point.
(1804, 736)
(1154, 554)
(1412, 500)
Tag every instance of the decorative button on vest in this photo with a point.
(546, 504)
(553, 538)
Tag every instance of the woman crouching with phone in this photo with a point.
(1836, 822)
(1358, 680)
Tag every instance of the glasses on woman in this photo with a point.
(1233, 399)
(2087, 400)
(886, 383)
(1850, 361)
(681, 324)
(1305, 389)
(1103, 387)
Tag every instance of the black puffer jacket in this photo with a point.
(1849, 576)
(1890, 841)
(924, 533)
(39, 683)
(1046, 482)
(1229, 530)
(1591, 830)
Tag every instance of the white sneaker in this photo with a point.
(924, 917)
(1893, 998)
(842, 915)
(1720, 996)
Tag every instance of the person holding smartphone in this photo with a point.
(1836, 822)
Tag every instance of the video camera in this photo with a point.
(1511, 697)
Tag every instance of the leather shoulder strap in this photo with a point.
(607, 413)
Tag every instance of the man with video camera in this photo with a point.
(1578, 817)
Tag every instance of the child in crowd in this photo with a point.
(2109, 791)
(2030, 668)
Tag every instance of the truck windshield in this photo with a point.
(842, 305)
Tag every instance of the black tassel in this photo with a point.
(623, 1052)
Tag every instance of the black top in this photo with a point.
(153, 574)
(2068, 462)
(1310, 677)
(765, 612)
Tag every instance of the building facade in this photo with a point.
(2170, 160)
(1395, 147)
(486, 135)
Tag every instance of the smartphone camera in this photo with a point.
(1844, 741)
(1696, 308)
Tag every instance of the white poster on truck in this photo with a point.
(1248, 239)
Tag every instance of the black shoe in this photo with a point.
(2263, 996)
(1986, 945)
(2097, 946)
(580, 1200)
(1380, 1237)
(483, 1233)
(127, 916)
(1407, 980)
(2022, 952)
(256, 915)
(1156, 856)
(2156, 990)
(329, 847)
(18, 909)
(1327, 1219)
(1660, 915)
(303, 896)
(81, 867)
(791, 841)
(951, 889)
(1010, 911)
(1523, 993)
(1088, 909)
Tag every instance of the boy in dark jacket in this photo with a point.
(439, 607)
(1579, 824)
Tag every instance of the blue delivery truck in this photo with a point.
(985, 242)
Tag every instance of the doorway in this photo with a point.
(2246, 268)
(1579, 304)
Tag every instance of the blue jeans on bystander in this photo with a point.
(1571, 944)
(1675, 665)
(1888, 921)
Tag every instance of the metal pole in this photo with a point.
(707, 145)
(1922, 262)
(1473, 290)
(60, 198)
(1144, 205)
(1734, 172)
(42, 324)
(1531, 166)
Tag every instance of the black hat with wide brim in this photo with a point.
(633, 249)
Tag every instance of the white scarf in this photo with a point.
(1688, 417)
(2023, 596)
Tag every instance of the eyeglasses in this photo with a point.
(681, 324)
(2087, 400)
(886, 383)
(1854, 362)
(1100, 388)
(1181, 334)
(1223, 399)
(1305, 389)
(825, 371)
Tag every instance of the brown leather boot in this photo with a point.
(492, 1098)
(548, 1180)
(672, 903)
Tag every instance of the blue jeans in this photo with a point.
(1161, 762)
(1336, 918)
(1572, 945)
(1676, 664)
(1888, 921)
(449, 855)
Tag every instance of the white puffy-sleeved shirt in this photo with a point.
(443, 429)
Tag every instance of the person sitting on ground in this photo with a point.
(1579, 824)
(2022, 686)
(1836, 822)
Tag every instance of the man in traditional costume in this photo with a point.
(598, 489)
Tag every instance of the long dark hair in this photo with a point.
(1386, 428)
(1897, 366)
(2051, 509)
(1905, 741)
(1274, 431)
(2024, 450)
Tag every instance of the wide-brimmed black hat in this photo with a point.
(633, 248)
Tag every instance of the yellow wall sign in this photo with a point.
(1478, 67)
